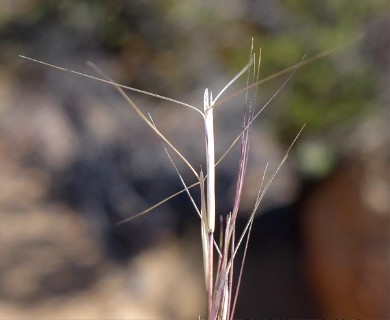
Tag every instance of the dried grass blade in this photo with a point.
(261, 195)
(113, 83)
(183, 183)
(256, 115)
(145, 119)
(245, 137)
(241, 271)
(311, 59)
(137, 215)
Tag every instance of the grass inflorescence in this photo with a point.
(218, 256)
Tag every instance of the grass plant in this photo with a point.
(218, 256)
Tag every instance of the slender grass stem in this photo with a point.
(210, 157)
(210, 276)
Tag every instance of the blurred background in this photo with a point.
(75, 159)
